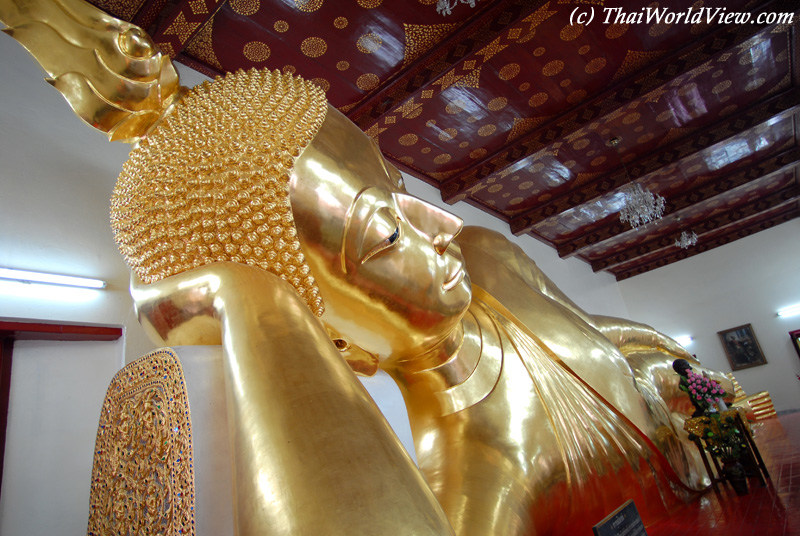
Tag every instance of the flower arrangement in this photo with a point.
(704, 392)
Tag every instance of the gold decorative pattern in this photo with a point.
(722, 86)
(245, 7)
(523, 126)
(448, 134)
(616, 31)
(408, 139)
(442, 159)
(256, 51)
(552, 68)
(538, 99)
(340, 23)
(308, 6)
(343, 65)
(487, 130)
(595, 66)
(281, 26)
(201, 45)
(498, 103)
(509, 71)
(368, 81)
(369, 4)
(313, 47)
(123, 9)
(420, 38)
(181, 28)
(142, 474)
(635, 60)
(322, 83)
(571, 32)
(477, 153)
(369, 43)
(174, 208)
(198, 7)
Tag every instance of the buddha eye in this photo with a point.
(394, 236)
(386, 242)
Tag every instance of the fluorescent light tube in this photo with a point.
(790, 311)
(684, 340)
(23, 276)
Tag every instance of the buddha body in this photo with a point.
(256, 216)
(526, 418)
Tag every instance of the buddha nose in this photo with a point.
(438, 224)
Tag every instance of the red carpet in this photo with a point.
(770, 510)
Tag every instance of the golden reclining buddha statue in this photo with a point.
(255, 215)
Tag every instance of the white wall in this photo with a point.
(744, 282)
(57, 391)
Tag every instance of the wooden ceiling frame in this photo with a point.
(757, 171)
(629, 89)
(757, 223)
(683, 148)
(703, 229)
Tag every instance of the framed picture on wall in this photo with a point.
(795, 335)
(741, 347)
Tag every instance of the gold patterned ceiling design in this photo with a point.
(510, 107)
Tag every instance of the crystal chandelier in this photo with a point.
(640, 207)
(686, 240)
(445, 7)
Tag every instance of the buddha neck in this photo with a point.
(453, 358)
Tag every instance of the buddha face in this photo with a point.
(392, 279)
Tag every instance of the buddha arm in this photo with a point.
(631, 336)
(311, 452)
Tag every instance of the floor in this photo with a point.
(770, 510)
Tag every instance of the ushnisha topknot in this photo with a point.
(212, 182)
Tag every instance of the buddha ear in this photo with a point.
(362, 362)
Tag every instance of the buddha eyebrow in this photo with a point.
(349, 219)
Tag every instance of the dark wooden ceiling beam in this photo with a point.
(472, 37)
(683, 148)
(784, 161)
(631, 88)
(760, 223)
(666, 242)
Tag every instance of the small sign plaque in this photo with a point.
(624, 521)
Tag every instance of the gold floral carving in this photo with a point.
(308, 6)
(245, 7)
(369, 43)
(507, 72)
(142, 475)
(552, 68)
(538, 99)
(571, 32)
(595, 66)
(313, 47)
(367, 81)
(256, 51)
(496, 104)
(201, 46)
(407, 140)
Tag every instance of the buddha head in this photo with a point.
(257, 168)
